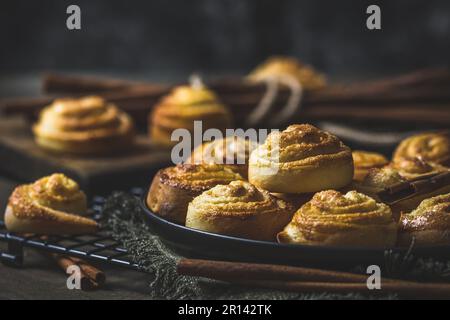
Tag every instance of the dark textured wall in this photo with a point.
(175, 36)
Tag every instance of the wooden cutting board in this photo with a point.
(22, 159)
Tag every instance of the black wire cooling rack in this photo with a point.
(99, 247)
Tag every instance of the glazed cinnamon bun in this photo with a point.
(181, 108)
(232, 151)
(301, 159)
(364, 160)
(414, 168)
(428, 224)
(239, 209)
(51, 205)
(431, 147)
(277, 67)
(378, 180)
(174, 187)
(87, 125)
(335, 219)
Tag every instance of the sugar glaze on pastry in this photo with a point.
(50, 205)
(88, 125)
(301, 159)
(428, 224)
(239, 209)
(335, 219)
(173, 188)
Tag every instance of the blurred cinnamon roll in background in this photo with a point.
(301, 159)
(239, 209)
(278, 67)
(86, 126)
(335, 219)
(183, 106)
(174, 187)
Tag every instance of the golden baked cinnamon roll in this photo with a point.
(181, 108)
(278, 67)
(335, 219)
(239, 209)
(364, 160)
(429, 224)
(378, 180)
(233, 151)
(174, 187)
(87, 125)
(431, 147)
(49, 206)
(301, 159)
(416, 167)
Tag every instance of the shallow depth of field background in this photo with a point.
(168, 39)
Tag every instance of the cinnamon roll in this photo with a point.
(278, 67)
(233, 151)
(239, 209)
(51, 205)
(414, 168)
(378, 180)
(181, 108)
(87, 125)
(335, 219)
(174, 187)
(301, 159)
(428, 224)
(431, 147)
(364, 160)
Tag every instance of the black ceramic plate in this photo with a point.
(200, 244)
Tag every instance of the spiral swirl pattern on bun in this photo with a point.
(428, 224)
(335, 219)
(301, 159)
(87, 125)
(239, 209)
(233, 151)
(174, 187)
(181, 108)
(48, 206)
(431, 147)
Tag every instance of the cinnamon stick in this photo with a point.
(92, 272)
(403, 288)
(58, 83)
(91, 277)
(256, 271)
(305, 280)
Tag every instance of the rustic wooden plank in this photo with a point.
(22, 159)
